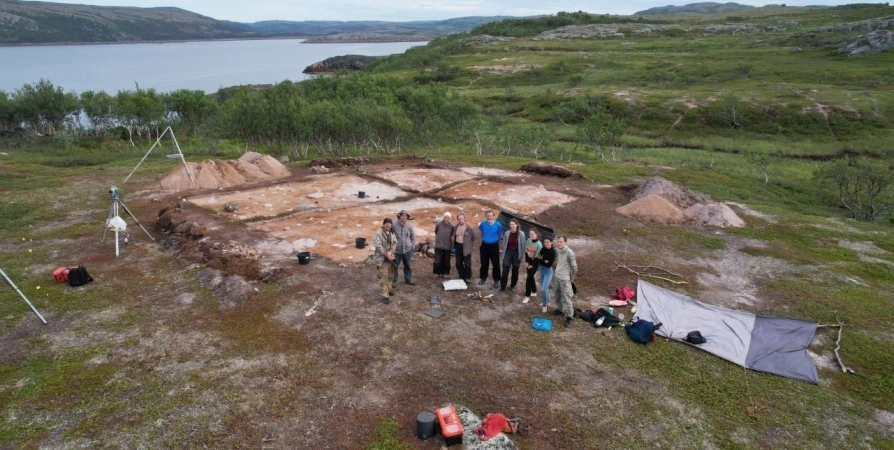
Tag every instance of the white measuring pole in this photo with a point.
(23, 296)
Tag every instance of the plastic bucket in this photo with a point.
(425, 425)
(361, 194)
(360, 242)
(304, 258)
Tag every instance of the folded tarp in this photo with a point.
(767, 344)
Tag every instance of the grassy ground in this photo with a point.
(123, 364)
(145, 356)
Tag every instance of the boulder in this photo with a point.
(871, 43)
(550, 170)
(713, 215)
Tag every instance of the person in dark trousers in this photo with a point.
(406, 245)
(443, 245)
(533, 241)
(532, 262)
(547, 261)
(463, 241)
(491, 230)
(513, 254)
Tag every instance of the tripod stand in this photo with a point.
(116, 223)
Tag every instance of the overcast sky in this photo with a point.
(404, 10)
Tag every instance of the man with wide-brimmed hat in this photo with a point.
(406, 245)
(386, 243)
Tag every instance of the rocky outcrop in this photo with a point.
(881, 23)
(345, 62)
(594, 31)
(484, 39)
(870, 44)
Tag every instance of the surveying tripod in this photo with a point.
(114, 224)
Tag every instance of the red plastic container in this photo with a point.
(451, 428)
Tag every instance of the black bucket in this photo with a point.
(361, 194)
(304, 258)
(425, 425)
(360, 242)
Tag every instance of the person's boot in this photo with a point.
(391, 293)
(496, 285)
(411, 282)
(483, 280)
(557, 312)
(385, 300)
(567, 322)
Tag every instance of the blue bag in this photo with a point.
(641, 331)
(542, 324)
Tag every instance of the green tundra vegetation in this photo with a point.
(763, 110)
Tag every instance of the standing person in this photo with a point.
(566, 270)
(463, 241)
(443, 244)
(547, 261)
(406, 245)
(513, 254)
(533, 241)
(531, 264)
(386, 244)
(491, 230)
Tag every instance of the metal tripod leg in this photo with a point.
(135, 220)
(106, 226)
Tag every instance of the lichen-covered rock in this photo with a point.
(871, 43)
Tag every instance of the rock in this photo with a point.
(484, 39)
(197, 231)
(304, 244)
(234, 290)
(882, 23)
(183, 228)
(209, 278)
(871, 43)
(231, 207)
(186, 298)
(284, 159)
(344, 62)
(316, 195)
(319, 169)
(596, 31)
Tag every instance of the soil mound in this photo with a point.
(653, 207)
(214, 174)
(680, 196)
(550, 170)
(713, 215)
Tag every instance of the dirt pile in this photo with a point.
(215, 174)
(653, 207)
(550, 170)
(680, 196)
(713, 215)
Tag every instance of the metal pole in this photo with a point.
(183, 158)
(157, 141)
(23, 296)
(136, 220)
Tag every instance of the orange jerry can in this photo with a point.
(451, 428)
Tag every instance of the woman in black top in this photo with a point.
(547, 261)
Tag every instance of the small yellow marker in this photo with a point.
(29, 250)
(38, 287)
(23, 239)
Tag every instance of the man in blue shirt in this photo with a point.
(491, 231)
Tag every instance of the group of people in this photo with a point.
(502, 254)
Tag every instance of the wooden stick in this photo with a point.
(838, 347)
(650, 275)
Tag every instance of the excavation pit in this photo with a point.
(335, 231)
(322, 192)
(424, 180)
(516, 198)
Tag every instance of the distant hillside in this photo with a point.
(43, 22)
(694, 8)
(318, 27)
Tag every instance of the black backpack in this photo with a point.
(78, 276)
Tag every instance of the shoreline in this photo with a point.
(183, 41)
(172, 41)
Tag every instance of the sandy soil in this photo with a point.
(324, 191)
(335, 231)
(424, 180)
(521, 199)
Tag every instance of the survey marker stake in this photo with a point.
(23, 296)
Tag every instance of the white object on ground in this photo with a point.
(455, 285)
